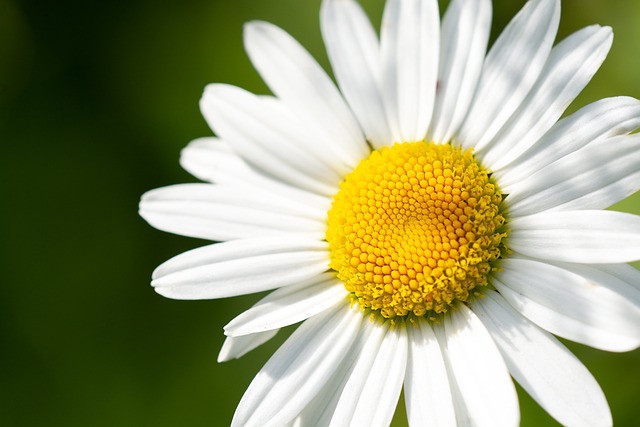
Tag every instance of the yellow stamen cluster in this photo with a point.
(414, 228)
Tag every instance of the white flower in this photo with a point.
(431, 223)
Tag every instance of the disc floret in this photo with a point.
(414, 228)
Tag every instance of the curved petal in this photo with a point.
(348, 401)
(409, 43)
(296, 78)
(371, 394)
(486, 396)
(240, 267)
(577, 236)
(321, 409)
(220, 213)
(595, 122)
(595, 177)
(352, 46)
(571, 65)
(510, 70)
(266, 138)
(213, 160)
(299, 369)
(621, 279)
(236, 347)
(426, 385)
(265, 121)
(205, 158)
(544, 367)
(289, 305)
(465, 33)
(574, 302)
(625, 272)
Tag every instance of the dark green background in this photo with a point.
(96, 101)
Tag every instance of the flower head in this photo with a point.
(431, 223)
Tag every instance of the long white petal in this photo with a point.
(625, 272)
(487, 396)
(205, 158)
(426, 385)
(265, 121)
(213, 160)
(573, 301)
(465, 34)
(220, 213)
(621, 279)
(263, 136)
(595, 122)
(289, 305)
(463, 419)
(571, 65)
(236, 347)
(409, 43)
(577, 236)
(299, 369)
(372, 392)
(320, 411)
(352, 46)
(481, 384)
(350, 395)
(544, 367)
(240, 267)
(297, 79)
(595, 177)
(510, 70)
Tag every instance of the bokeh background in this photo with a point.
(96, 101)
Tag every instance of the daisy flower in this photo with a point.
(430, 219)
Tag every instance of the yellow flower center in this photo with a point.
(415, 228)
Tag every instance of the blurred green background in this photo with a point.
(96, 101)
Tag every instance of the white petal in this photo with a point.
(597, 121)
(481, 384)
(463, 419)
(352, 46)
(266, 136)
(350, 395)
(577, 303)
(267, 121)
(622, 279)
(372, 392)
(299, 369)
(625, 272)
(297, 79)
(594, 177)
(320, 411)
(289, 305)
(544, 367)
(409, 43)
(577, 236)
(465, 34)
(206, 158)
(426, 386)
(571, 65)
(240, 267)
(236, 347)
(213, 160)
(510, 70)
(219, 213)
